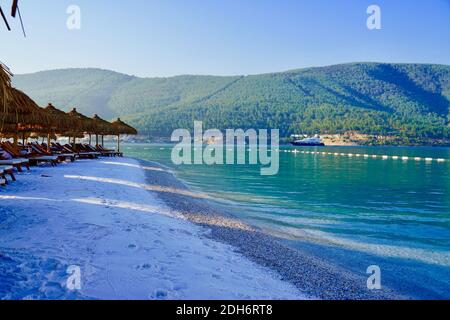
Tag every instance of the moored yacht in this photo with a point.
(308, 141)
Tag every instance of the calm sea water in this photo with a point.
(353, 211)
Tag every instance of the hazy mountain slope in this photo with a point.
(87, 89)
(403, 99)
(141, 95)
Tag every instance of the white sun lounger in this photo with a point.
(7, 170)
(64, 156)
(93, 153)
(89, 154)
(53, 160)
(17, 163)
(2, 179)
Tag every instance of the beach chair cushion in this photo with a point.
(46, 158)
(17, 161)
(10, 162)
(5, 155)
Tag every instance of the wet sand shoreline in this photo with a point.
(312, 275)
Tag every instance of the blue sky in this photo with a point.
(223, 37)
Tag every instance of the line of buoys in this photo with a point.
(352, 155)
(367, 156)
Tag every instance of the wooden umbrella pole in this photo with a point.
(96, 140)
(90, 139)
(16, 137)
(103, 140)
(16, 140)
(118, 143)
(48, 142)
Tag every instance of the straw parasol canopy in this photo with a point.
(5, 93)
(63, 121)
(14, 106)
(121, 127)
(5, 87)
(20, 114)
(103, 128)
(11, 106)
(86, 125)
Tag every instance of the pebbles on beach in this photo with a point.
(313, 276)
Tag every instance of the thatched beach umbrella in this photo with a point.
(21, 114)
(5, 86)
(62, 122)
(5, 94)
(103, 128)
(8, 108)
(65, 122)
(86, 125)
(121, 127)
(18, 112)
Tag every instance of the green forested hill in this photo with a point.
(408, 100)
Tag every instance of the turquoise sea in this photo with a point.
(345, 206)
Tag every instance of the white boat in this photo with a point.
(309, 142)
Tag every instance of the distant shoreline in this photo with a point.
(297, 267)
(286, 142)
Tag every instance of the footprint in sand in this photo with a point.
(146, 266)
(179, 286)
(52, 290)
(184, 232)
(159, 294)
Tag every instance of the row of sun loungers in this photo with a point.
(16, 158)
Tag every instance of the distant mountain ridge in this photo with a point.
(409, 100)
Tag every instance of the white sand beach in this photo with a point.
(101, 215)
